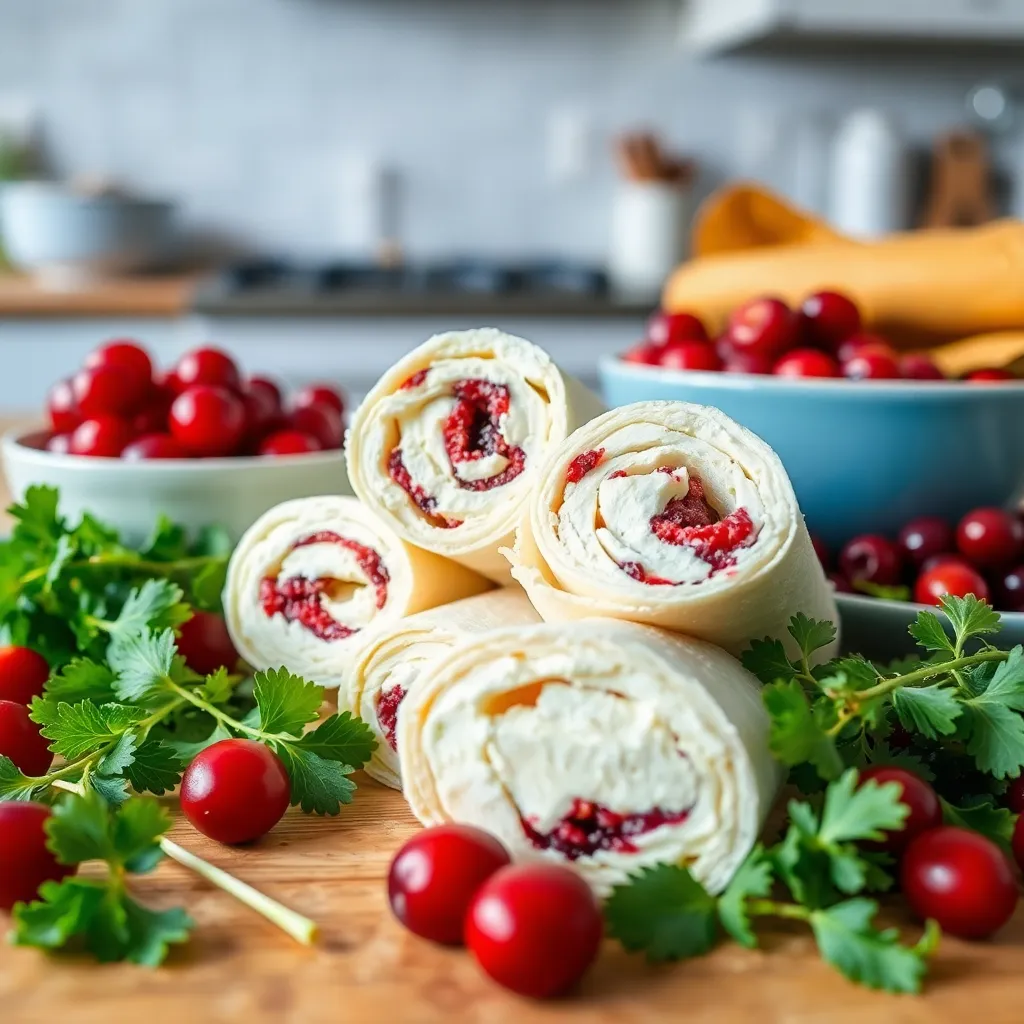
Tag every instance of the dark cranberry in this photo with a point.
(1015, 795)
(828, 318)
(734, 361)
(872, 558)
(289, 442)
(806, 362)
(840, 583)
(208, 421)
(154, 446)
(320, 421)
(129, 357)
(849, 348)
(319, 394)
(1010, 591)
(105, 391)
(990, 537)
(23, 673)
(206, 645)
(268, 388)
(22, 741)
(919, 367)
(925, 537)
(25, 859)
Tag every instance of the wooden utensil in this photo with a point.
(961, 187)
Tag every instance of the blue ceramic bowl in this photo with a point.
(863, 456)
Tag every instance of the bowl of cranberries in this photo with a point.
(199, 443)
(870, 436)
(883, 580)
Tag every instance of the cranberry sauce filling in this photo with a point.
(300, 599)
(426, 503)
(415, 380)
(589, 827)
(471, 432)
(387, 714)
(583, 464)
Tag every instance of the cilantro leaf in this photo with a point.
(995, 823)
(81, 679)
(287, 703)
(848, 940)
(319, 786)
(855, 812)
(970, 617)
(167, 543)
(136, 828)
(79, 830)
(113, 789)
(152, 932)
(77, 729)
(767, 659)
(14, 785)
(38, 523)
(928, 631)
(754, 878)
(663, 911)
(186, 751)
(63, 910)
(156, 768)
(212, 541)
(206, 585)
(849, 674)
(156, 605)
(143, 664)
(341, 738)
(811, 634)
(218, 687)
(993, 724)
(929, 710)
(117, 759)
(796, 735)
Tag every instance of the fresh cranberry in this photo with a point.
(840, 583)
(666, 328)
(849, 348)
(535, 928)
(154, 446)
(208, 420)
(268, 388)
(25, 860)
(60, 404)
(689, 355)
(990, 375)
(925, 537)
(989, 537)
(917, 795)
(872, 362)
(765, 326)
(436, 874)
(1017, 843)
(828, 318)
(262, 413)
(235, 791)
(1010, 590)
(734, 361)
(645, 354)
(960, 879)
(919, 367)
(23, 673)
(289, 442)
(944, 559)
(319, 394)
(822, 551)
(131, 359)
(1015, 795)
(806, 362)
(872, 558)
(949, 577)
(59, 444)
(206, 644)
(100, 437)
(321, 422)
(105, 391)
(209, 366)
(21, 740)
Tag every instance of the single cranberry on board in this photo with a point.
(872, 362)
(959, 879)
(23, 674)
(62, 408)
(206, 645)
(130, 358)
(22, 741)
(990, 537)
(289, 442)
(949, 577)
(807, 362)
(925, 537)
(925, 811)
(665, 328)
(235, 791)
(828, 318)
(25, 859)
(209, 421)
(209, 366)
(100, 437)
(644, 353)
(872, 558)
(919, 367)
(535, 929)
(435, 875)
(154, 446)
(766, 326)
(689, 355)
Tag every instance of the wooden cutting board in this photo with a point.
(239, 968)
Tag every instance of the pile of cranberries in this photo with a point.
(823, 338)
(982, 555)
(118, 406)
(534, 928)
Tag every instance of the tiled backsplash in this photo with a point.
(247, 110)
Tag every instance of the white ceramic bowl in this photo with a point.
(230, 492)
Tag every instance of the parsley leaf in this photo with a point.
(14, 785)
(811, 634)
(155, 768)
(970, 617)
(81, 679)
(929, 710)
(767, 659)
(796, 734)
(341, 738)
(993, 724)
(663, 911)
(286, 702)
(143, 664)
(157, 605)
(995, 823)
(754, 878)
(77, 729)
(928, 631)
(855, 812)
(38, 523)
(319, 786)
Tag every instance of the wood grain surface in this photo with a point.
(130, 296)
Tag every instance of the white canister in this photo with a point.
(869, 189)
(648, 236)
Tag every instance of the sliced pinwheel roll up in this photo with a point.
(448, 444)
(311, 575)
(674, 515)
(609, 745)
(388, 663)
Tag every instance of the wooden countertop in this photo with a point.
(139, 296)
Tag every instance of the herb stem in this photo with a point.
(922, 675)
(773, 908)
(224, 718)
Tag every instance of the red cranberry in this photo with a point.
(321, 422)
(949, 577)
(828, 318)
(644, 354)
(60, 404)
(269, 389)
(917, 795)
(872, 558)
(59, 444)
(849, 348)
(289, 442)
(989, 375)
(666, 328)
(105, 391)
(990, 537)
(1010, 591)
(208, 421)
(154, 446)
(535, 928)
(1015, 795)
(25, 859)
(872, 362)
(435, 876)
(319, 394)
(208, 366)
(206, 645)
(131, 359)
(822, 551)
(806, 362)
(766, 326)
(944, 559)
(21, 740)
(690, 355)
(235, 791)
(1017, 843)
(925, 537)
(23, 673)
(840, 583)
(919, 367)
(262, 413)
(734, 361)
(101, 437)
(961, 880)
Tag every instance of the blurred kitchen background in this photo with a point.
(346, 177)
